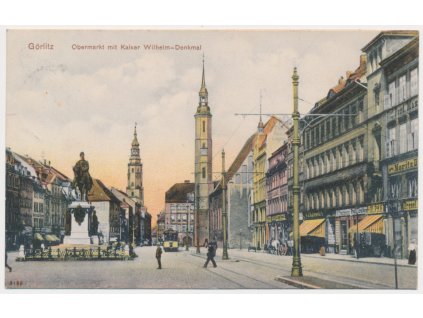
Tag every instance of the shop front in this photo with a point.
(278, 227)
(344, 220)
(313, 235)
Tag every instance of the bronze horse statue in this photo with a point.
(82, 180)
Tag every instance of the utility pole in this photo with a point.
(393, 211)
(187, 231)
(197, 221)
(224, 213)
(296, 259)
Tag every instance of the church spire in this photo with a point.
(203, 90)
(135, 142)
(260, 124)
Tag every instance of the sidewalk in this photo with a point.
(346, 258)
(369, 260)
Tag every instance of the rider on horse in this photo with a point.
(82, 178)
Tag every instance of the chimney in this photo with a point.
(341, 79)
(363, 60)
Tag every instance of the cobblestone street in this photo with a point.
(244, 270)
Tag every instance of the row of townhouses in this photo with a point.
(358, 163)
(38, 196)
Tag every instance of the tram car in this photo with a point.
(170, 240)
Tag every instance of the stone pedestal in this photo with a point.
(80, 215)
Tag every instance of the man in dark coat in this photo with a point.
(7, 265)
(159, 256)
(211, 253)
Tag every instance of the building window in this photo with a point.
(334, 126)
(413, 137)
(376, 92)
(317, 135)
(395, 188)
(327, 158)
(412, 186)
(203, 171)
(391, 100)
(345, 156)
(403, 137)
(353, 115)
(390, 146)
(341, 122)
(347, 118)
(402, 96)
(414, 82)
(204, 126)
(347, 195)
(333, 160)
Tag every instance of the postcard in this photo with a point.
(212, 159)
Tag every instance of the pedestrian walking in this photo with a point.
(412, 253)
(211, 253)
(159, 256)
(7, 265)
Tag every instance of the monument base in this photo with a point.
(80, 214)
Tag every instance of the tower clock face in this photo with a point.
(134, 152)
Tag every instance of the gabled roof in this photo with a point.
(236, 164)
(99, 192)
(123, 196)
(240, 158)
(391, 33)
(178, 192)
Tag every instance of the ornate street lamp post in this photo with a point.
(197, 222)
(296, 259)
(224, 213)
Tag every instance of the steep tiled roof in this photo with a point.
(99, 192)
(339, 87)
(240, 158)
(360, 71)
(178, 192)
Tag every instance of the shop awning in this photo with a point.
(370, 223)
(38, 237)
(313, 228)
(52, 238)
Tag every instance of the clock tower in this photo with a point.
(203, 160)
(135, 189)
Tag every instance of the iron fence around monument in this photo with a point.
(75, 254)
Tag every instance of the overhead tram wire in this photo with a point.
(232, 134)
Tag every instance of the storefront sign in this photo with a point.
(276, 218)
(402, 166)
(313, 215)
(409, 205)
(351, 212)
(375, 208)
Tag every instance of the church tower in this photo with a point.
(135, 189)
(203, 160)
